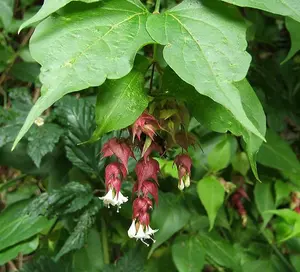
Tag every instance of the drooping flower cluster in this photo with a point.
(145, 137)
(237, 203)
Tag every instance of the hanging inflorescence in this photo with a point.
(148, 135)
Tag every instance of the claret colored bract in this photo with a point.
(184, 164)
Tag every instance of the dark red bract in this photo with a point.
(119, 148)
(146, 170)
(146, 124)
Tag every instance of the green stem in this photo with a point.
(104, 241)
(157, 6)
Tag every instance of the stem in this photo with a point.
(157, 6)
(104, 241)
(151, 79)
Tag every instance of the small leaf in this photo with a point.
(220, 156)
(169, 218)
(25, 71)
(211, 66)
(240, 163)
(188, 254)
(288, 8)
(6, 12)
(25, 248)
(282, 190)
(276, 153)
(49, 7)
(211, 194)
(264, 199)
(42, 140)
(292, 218)
(119, 103)
(293, 27)
(67, 68)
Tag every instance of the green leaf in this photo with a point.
(163, 262)
(276, 153)
(188, 254)
(240, 163)
(216, 117)
(21, 229)
(211, 194)
(290, 8)
(119, 103)
(169, 218)
(264, 199)
(282, 191)
(6, 12)
(293, 27)
(292, 218)
(219, 250)
(220, 156)
(45, 263)
(42, 140)
(211, 66)
(78, 236)
(90, 257)
(68, 199)
(49, 7)
(132, 261)
(25, 71)
(24, 248)
(108, 54)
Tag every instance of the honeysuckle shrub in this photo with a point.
(149, 135)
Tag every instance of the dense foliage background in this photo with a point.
(234, 216)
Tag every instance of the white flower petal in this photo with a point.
(150, 231)
(108, 199)
(187, 181)
(132, 230)
(181, 185)
(140, 234)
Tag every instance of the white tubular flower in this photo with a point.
(181, 185)
(141, 235)
(120, 199)
(132, 230)
(187, 181)
(150, 231)
(109, 199)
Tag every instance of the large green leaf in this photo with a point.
(21, 229)
(293, 27)
(119, 103)
(264, 199)
(169, 218)
(216, 117)
(289, 8)
(108, 37)
(219, 250)
(205, 45)
(49, 7)
(277, 153)
(25, 248)
(211, 194)
(188, 254)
